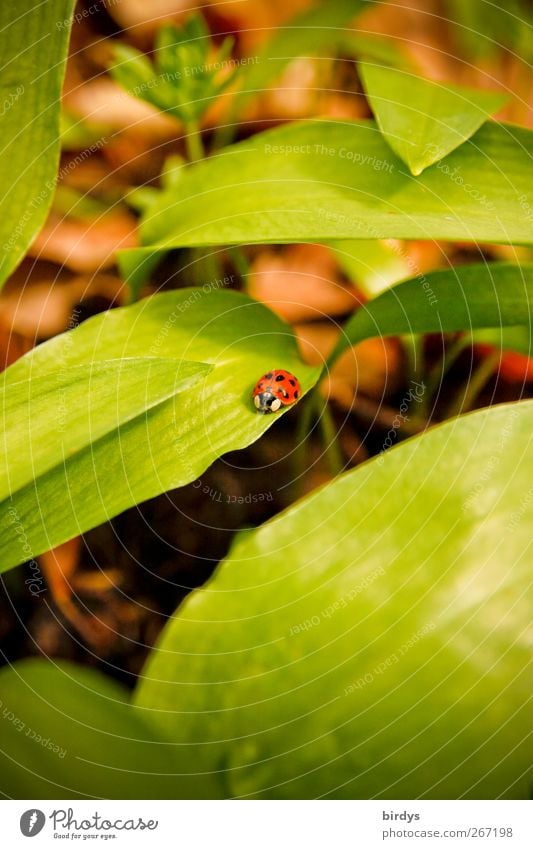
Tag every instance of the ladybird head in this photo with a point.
(266, 402)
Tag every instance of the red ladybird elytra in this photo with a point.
(275, 389)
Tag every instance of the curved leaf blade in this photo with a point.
(373, 266)
(463, 298)
(327, 180)
(172, 442)
(35, 38)
(48, 418)
(373, 640)
(320, 28)
(69, 732)
(423, 120)
(517, 339)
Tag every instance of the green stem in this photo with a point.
(240, 263)
(212, 265)
(329, 440)
(466, 397)
(414, 352)
(205, 268)
(302, 433)
(441, 369)
(210, 262)
(193, 142)
(315, 407)
(224, 135)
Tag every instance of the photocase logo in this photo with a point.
(32, 822)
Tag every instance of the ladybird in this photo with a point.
(275, 389)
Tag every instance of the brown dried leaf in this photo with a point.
(40, 307)
(374, 367)
(302, 282)
(85, 246)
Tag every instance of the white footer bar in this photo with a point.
(268, 824)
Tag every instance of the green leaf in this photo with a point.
(34, 49)
(507, 338)
(463, 298)
(144, 197)
(185, 78)
(321, 28)
(326, 180)
(423, 121)
(78, 134)
(132, 70)
(167, 440)
(373, 266)
(135, 266)
(81, 205)
(49, 418)
(69, 732)
(374, 48)
(484, 30)
(372, 640)
(319, 31)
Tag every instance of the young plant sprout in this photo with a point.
(187, 74)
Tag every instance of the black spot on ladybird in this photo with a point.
(269, 375)
(279, 378)
(296, 393)
(292, 382)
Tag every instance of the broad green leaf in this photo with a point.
(69, 732)
(371, 641)
(372, 265)
(34, 48)
(326, 180)
(484, 29)
(465, 297)
(322, 28)
(374, 48)
(422, 120)
(48, 419)
(135, 266)
(171, 442)
(507, 338)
